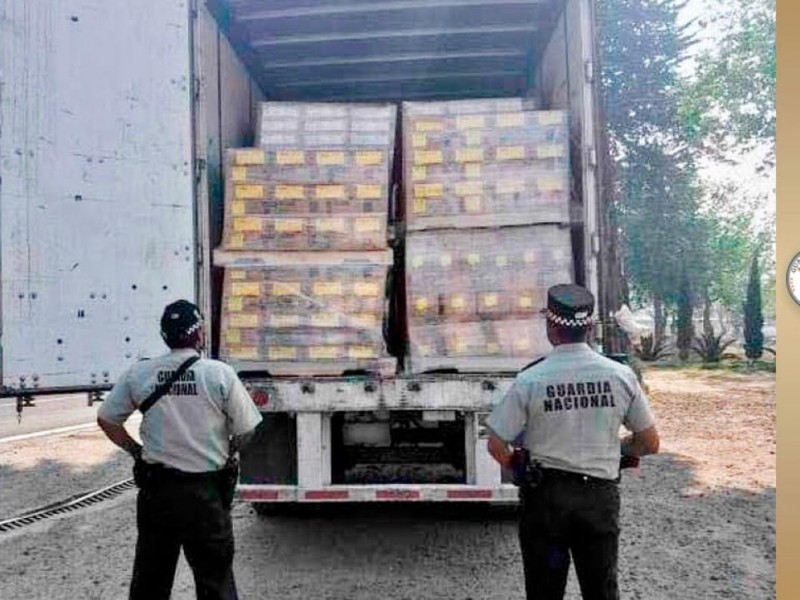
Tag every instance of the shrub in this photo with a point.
(652, 349)
(711, 347)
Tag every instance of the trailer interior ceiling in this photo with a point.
(389, 50)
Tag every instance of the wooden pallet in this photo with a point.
(255, 258)
(382, 367)
(468, 364)
(483, 221)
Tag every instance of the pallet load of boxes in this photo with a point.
(485, 232)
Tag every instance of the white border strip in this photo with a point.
(38, 434)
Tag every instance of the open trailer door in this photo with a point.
(96, 198)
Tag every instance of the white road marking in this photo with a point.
(59, 430)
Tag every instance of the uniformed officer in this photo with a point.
(188, 435)
(568, 408)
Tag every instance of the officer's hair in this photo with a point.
(571, 335)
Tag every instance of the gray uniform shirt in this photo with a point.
(570, 407)
(189, 428)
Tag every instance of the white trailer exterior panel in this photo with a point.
(96, 197)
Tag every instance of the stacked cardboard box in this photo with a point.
(486, 199)
(309, 208)
(477, 294)
(483, 164)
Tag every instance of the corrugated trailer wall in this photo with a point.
(225, 114)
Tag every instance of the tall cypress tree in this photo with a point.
(753, 317)
(684, 317)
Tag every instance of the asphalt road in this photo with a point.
(49, 412)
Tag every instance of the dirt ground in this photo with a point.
(698, 520)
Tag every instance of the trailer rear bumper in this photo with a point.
(505, 493)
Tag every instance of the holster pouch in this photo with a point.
(228, 478)
(526, 474)
(142, 474)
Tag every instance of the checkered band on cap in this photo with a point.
(578, 321)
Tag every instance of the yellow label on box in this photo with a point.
(245, 288)
(458, 302)
(473, 259)
(284, 320)
(369, 158)
(325, 320)
(249, 191)
(473, 138)
(330, 158)
(492, 348)
(368, 224)
(238, 174)
(490, 300)
(243, 320)
(330, 225)
(417, 261)
(290, 157)
(329, 192)
(235, 303)
(472, 170)
(419, 140)
(550, 117)
(238, 275)
(282, 353)
(418, 173)
(530, 256)
(285, 288)
(250, 157)
(470, 122)
(289, 225)
(366, 289)
(369, 192)
(421, 305)
(461, 346)
(525, 301)
(501, 261)
(361, 352)
(328, 288)
(446, 260)
(473, 204)
(423, 350)
(365, 321)
(420, 206)
(429, 126)
(516, 119)
(244, 353)
(323, 353)
(550, 150)
(469, 155)
(510, 152)
(510, 187)
(290, 192)
(236, 241)
(522, 344)
(237, 208)
(428, 190)
(469, 188)
(428, 157)
(247, 224)
(233, 336)
(550, 184)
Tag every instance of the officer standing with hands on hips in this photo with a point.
(569, 407)
(196, 415)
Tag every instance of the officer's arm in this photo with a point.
(641, 443)
(241, 441)
(120, 436)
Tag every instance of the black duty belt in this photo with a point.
(552, 474)
(162, 473)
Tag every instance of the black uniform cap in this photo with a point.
(180, 320)
(570, 305)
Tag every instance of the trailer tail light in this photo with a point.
(327, 495)
(260, 398)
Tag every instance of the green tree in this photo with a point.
(684, 318)
(753, 317)
(729, 105)
(655, 199)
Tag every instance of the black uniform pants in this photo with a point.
(569, 515)
(188, 514)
